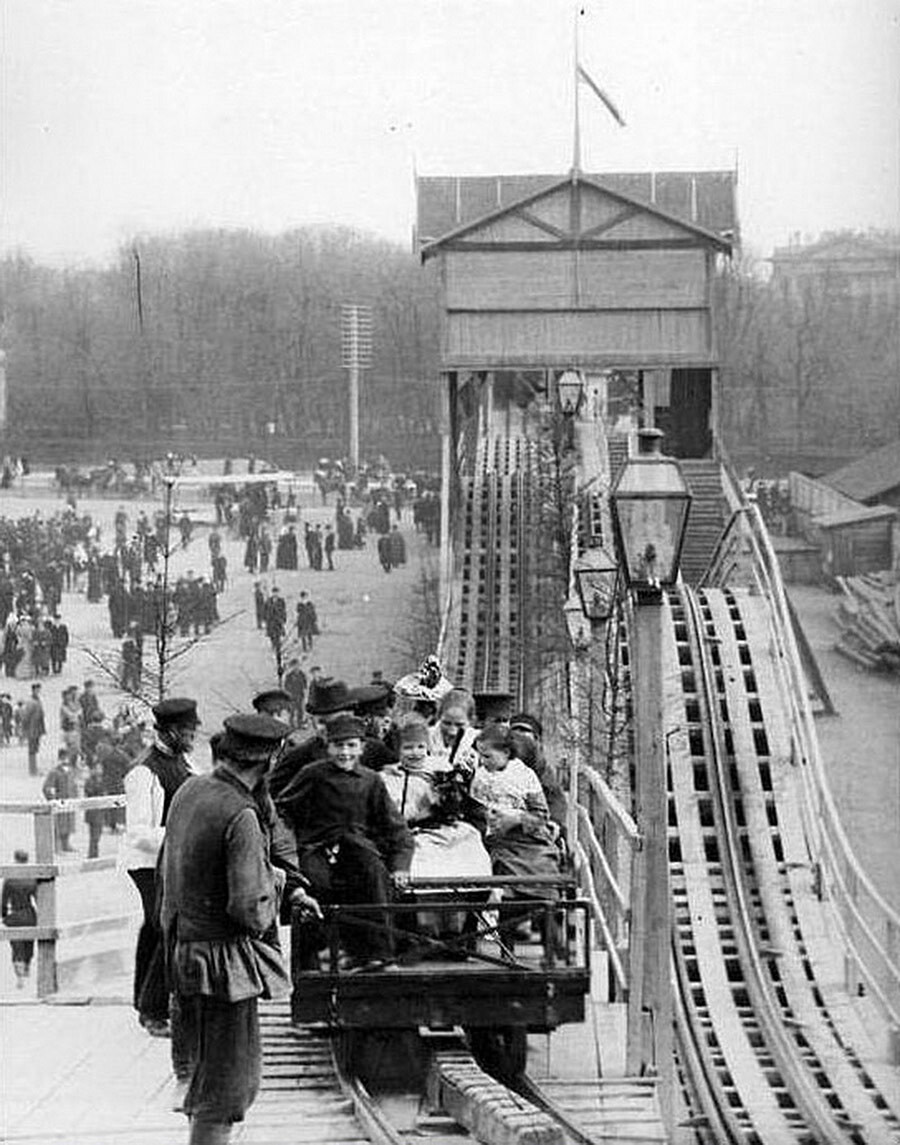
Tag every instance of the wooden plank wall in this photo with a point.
(558, 280)
(643, 338)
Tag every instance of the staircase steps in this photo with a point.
(707, 518)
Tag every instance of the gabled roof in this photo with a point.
(862, 514)
(702, 198)
(631, 207)
(870, 476)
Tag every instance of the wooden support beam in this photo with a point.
(46, 903)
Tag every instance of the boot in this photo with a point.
(209, 1133)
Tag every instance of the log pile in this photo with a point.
(869, 617)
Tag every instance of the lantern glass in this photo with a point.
(650, 506)
(570, 389)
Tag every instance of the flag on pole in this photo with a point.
(601, 95)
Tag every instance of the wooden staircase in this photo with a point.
(707, 518)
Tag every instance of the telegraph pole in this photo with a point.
(356, 355)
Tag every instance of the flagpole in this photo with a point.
(576, 134)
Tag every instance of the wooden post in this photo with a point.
(44, 852)
(448, 449)
(649, 1046)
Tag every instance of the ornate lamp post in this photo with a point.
(570, 391)
(650, 505)
(595, 574)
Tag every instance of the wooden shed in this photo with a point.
(856, 541)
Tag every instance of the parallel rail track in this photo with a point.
(495, 568)
(763, 1057)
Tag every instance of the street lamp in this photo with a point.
(649, 505)
(570, 390)
(595, 574)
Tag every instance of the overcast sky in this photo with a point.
(122, 117)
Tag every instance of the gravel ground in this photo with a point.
(860, 745)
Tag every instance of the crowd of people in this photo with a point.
(333, 794)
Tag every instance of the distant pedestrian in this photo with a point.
(6, 718)
(132, 660)
(18, 907)
(398, 547)
(307, 622)
(328, 548)
(276, 616)
(90, 705)
(62, 784)
(71, 722)
(265, 549)
(259, 603)
(59, 644)
(34, 727)
(219, 568)
(295, 685)
(95, 817)
(384, 553)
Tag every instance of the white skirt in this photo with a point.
(452, 851)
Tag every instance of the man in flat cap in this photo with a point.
(150, 786)
(352, 842)
(219, 905)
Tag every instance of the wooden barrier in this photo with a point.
(45, 871)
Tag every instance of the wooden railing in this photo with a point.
(605, 842)
(45, 871)
(869, 926)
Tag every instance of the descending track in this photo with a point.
(764, 1056)
(493, 582)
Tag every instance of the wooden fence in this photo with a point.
(45, 870)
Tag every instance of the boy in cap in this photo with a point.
(349, 837)
(219, 905)
(150, 785)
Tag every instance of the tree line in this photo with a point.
(810, 372)
(220, 341)
(229, 342)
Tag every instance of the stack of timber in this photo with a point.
(869, 616)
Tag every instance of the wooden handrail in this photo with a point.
(45, 871)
